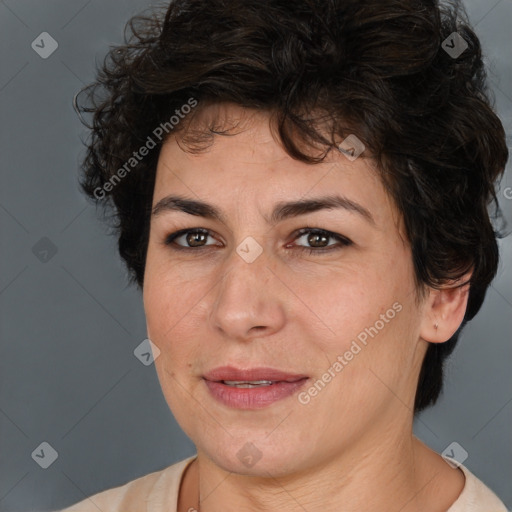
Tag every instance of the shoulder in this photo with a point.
(154, 492)
(476, 497)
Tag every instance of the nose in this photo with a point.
(249, 300)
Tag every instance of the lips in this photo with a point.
(229, 373)
(254, 388)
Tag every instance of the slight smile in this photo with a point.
(253, 388)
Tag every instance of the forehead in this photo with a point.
(244, 161)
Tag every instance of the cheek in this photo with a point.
(346, 304)
(166, 307)
(169, 318)
(384, 367)
(372, 324)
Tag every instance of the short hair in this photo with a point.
(381, 70)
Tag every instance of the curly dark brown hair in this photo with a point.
(379, 69)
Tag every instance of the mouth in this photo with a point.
(253, 384)
(254, 388)
(251, 377)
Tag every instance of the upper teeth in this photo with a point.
(246, 383)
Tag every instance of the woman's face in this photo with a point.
(254, 292)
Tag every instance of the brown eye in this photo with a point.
(318, 240)
(195, 239)
(189, 239)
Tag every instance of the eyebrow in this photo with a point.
(281, 211)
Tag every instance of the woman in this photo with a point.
(301, 193)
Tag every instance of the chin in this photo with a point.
(250, 458)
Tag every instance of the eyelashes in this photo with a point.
(311, 234)
(341, 240)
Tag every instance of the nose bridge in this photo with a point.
(245, 297)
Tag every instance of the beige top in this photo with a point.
(158, 492)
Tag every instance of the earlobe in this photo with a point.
(444, 311)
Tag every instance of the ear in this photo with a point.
(444, 310)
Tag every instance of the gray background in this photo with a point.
(69, 325)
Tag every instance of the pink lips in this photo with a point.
(283, 385)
